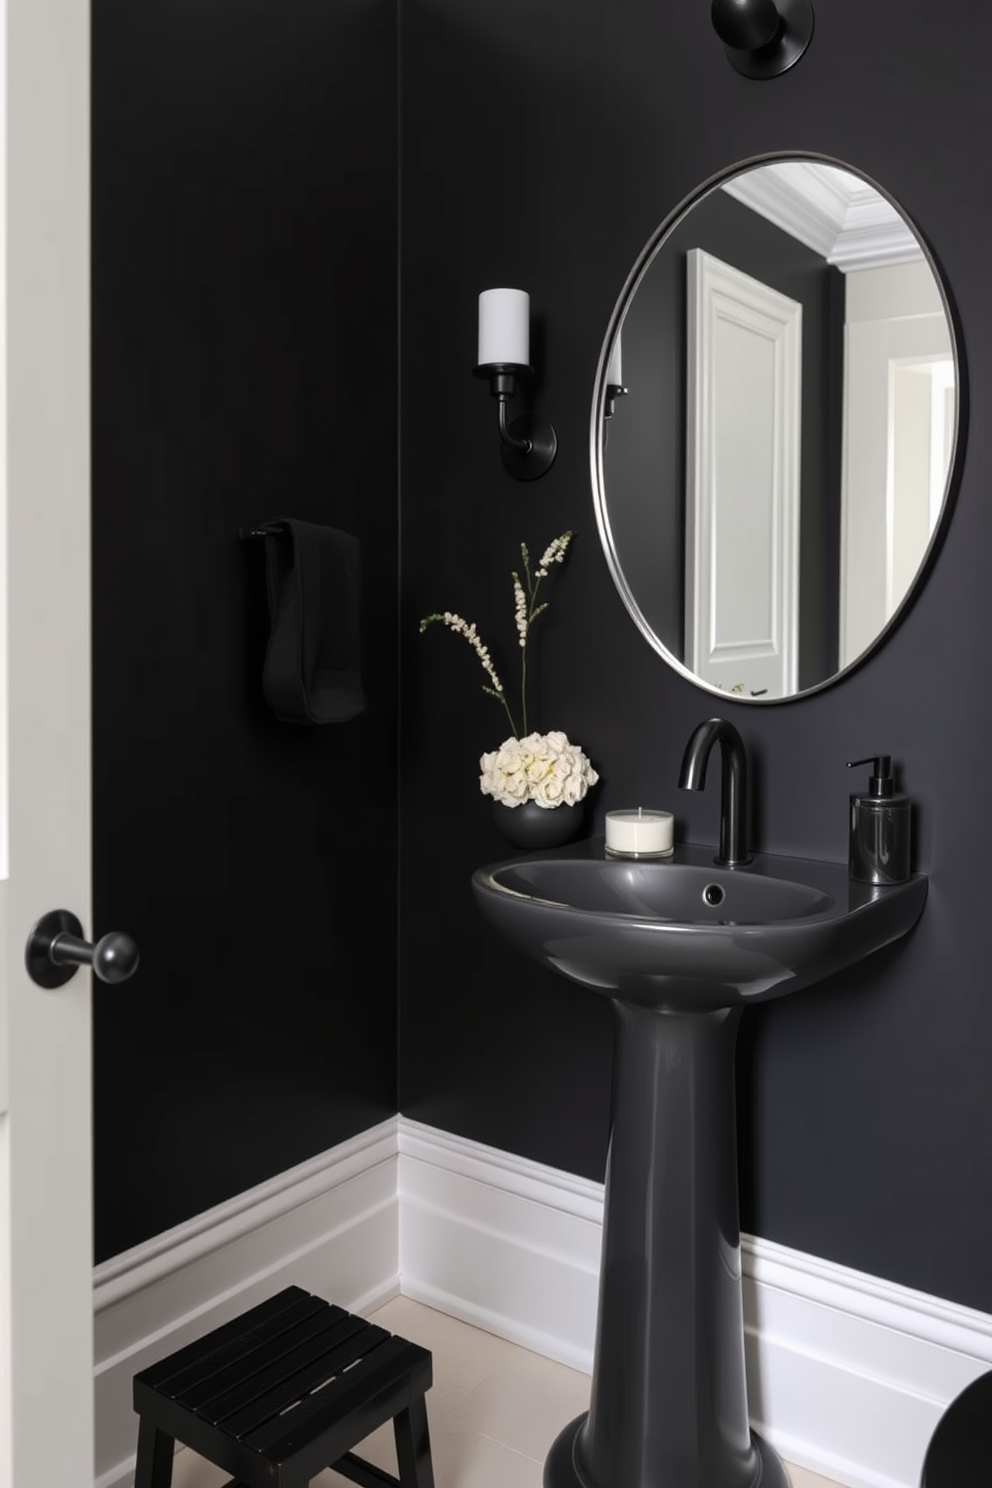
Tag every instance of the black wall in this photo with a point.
(244, 366)
(245, 315)
(542, 146)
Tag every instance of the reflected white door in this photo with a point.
(744, 389)
(899, 417)
(46, 1282)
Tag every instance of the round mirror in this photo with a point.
(775, 424)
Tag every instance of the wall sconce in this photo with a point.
(530, 444)
(763, 38)
(614, 379)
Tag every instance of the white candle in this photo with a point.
(641, 833)
(614, 373)
(504, 327)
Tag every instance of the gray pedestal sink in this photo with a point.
(680, 947)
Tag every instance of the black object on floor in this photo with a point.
(960, 1450)
(284, 1391)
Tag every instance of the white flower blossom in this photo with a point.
(462, 627)
(546, 768)
(553, 553)
(520, 615)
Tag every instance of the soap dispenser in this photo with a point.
(880, 827)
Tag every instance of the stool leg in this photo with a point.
(413, 1446)
(155, 1451)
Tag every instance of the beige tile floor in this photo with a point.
(494, 1410)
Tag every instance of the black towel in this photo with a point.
(312, 671)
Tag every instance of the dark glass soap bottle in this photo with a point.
(879, 828)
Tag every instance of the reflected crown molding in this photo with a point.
(836, 214)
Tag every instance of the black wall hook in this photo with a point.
(763, 38)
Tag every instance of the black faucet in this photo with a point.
(733, 783)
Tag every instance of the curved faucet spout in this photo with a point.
(733, 783)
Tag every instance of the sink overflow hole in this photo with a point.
(713, 895)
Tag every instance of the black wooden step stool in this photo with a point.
(283, 1391)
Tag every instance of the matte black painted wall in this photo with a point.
(542, 145)
(244, 332)
(244, 352)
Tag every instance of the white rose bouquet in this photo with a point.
(545, 768)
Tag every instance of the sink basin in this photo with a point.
(681, 947)
(682, 932)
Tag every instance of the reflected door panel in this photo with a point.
(742, 489)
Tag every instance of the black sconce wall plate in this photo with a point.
(530, 447)
(529, 444)
(763, 38)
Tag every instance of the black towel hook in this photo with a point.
(275, 528)
(763, 38)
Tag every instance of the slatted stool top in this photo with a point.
(284, 1390)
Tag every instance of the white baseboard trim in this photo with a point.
(330, 1225)
(847, 1374)
(501, 1242)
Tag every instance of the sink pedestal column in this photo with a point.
(669, 1396)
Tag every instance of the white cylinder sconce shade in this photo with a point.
(614, 373)
(504, 327)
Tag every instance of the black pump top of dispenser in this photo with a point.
(881, 783)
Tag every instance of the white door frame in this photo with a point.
(46, 1319)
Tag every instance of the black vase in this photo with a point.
(532, 827)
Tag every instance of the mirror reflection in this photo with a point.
(774, 427)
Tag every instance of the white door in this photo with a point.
(744, 391)
(899, 418)
(46, 1281)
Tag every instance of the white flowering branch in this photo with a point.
(463, 628)
(527, 608)
(525, 611)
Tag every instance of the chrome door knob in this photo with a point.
(56, 947)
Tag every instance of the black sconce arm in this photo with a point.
(529, 444)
